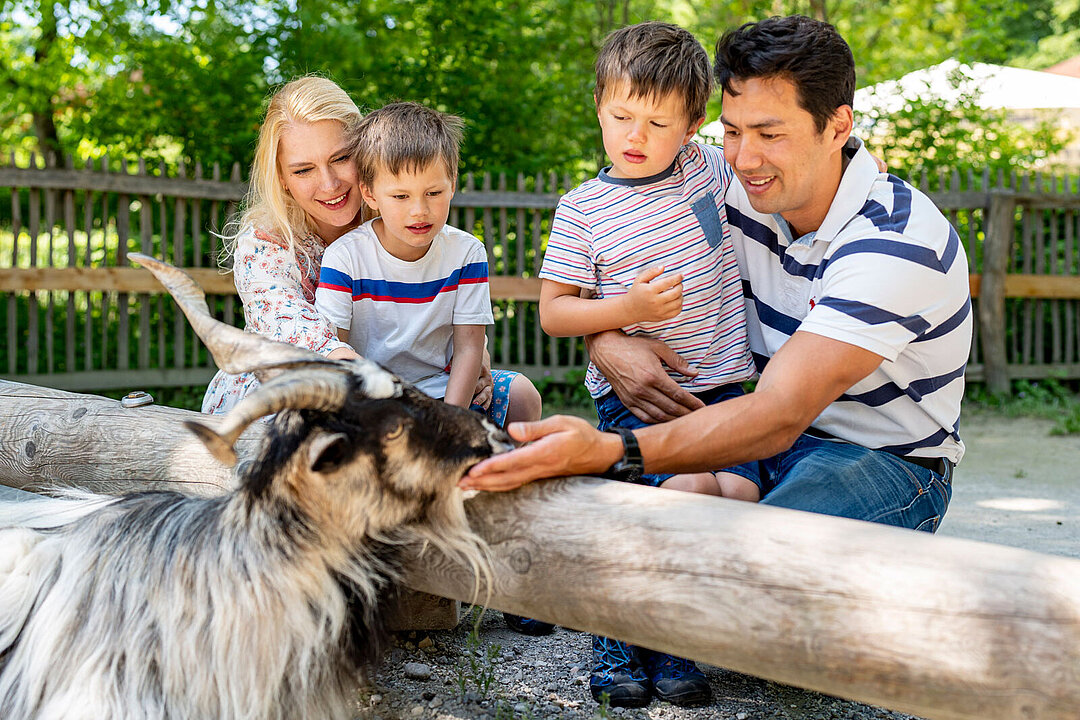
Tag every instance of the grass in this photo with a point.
(1051, 399)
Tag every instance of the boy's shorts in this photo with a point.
(500, 397)
(612, 413)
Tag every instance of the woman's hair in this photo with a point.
(267, 206)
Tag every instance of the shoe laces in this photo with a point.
(677, 668)
(611, 656)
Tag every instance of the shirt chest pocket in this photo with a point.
(708, 217)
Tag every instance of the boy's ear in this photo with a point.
(365, 194)
(692, 128)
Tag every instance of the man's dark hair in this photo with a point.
(656, 59)
(807, 52)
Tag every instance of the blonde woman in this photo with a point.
(304, 196)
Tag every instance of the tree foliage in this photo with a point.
(186, 79)
(931, 133)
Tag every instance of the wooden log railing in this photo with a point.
(943, 628)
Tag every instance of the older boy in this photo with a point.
(648, 237)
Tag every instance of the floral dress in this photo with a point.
(277, 288)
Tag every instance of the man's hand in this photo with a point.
(484, 384)
(652, 298)
(634, 367)
(559, 445)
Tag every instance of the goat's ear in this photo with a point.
(327, 451)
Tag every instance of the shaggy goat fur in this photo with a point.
(263, 603)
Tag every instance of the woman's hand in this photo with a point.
(559, 445)
(634, 367)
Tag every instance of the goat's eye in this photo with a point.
(396, 432)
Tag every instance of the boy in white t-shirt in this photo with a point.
(405, 289)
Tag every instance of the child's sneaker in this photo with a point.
(676, 680)
(527, 626)
(618, 673)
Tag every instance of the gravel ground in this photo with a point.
(547, 677)
(1017, 486)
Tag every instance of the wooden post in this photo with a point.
(938, 627)
(1000, 231)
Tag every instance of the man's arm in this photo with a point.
(802, 379)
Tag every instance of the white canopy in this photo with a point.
(999, 87)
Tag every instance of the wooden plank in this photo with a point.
(50, 260)
(106, 279)
(996, 250)
(33, 225)
(132, 379)
(12, 310)
(88, 329)
(935, 626)
(146, 246)
(72, 260)
(179, 321)
(123, 233)
(138, 280)
(485, 198)
(65, 179)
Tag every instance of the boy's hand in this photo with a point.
(652, 298)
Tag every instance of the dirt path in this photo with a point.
(1018, 485)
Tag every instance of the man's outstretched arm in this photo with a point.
(805, 375)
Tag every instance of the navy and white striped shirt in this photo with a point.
(885, 272)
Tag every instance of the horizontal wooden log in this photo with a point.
(213, 282)
(1047, 287)
(939, 627)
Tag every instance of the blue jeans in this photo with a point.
(838, 478)
(612, 413)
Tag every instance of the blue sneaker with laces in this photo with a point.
(676, 680)
(618, 673)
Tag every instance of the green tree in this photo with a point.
(930, 133)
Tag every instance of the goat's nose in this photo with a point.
(500, 441)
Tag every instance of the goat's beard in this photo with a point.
(125, 608)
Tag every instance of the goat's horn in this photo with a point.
(234, 350)
(301, 389)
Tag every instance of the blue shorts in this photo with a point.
(500, 397)
(612, 413)
(839, 478)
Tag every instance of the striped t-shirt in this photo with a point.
(401, 314)
(608, 230)
(885, 272)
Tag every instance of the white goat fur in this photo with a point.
(264, 603)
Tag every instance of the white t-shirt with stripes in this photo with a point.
(399, 313)
(608, 230)
(885, 272)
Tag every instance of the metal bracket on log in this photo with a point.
(939, 627)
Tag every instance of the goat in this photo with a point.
(266, 602)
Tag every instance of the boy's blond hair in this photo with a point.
(406, 136)
(656, 59)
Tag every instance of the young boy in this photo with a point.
(405, 289)
(648, 239)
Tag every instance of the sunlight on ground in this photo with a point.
(1022, 504)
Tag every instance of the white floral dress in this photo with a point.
(277, 288)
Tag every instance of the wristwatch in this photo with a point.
(631, 466)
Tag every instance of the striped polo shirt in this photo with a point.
(885, 272)
(609, 230)
(399, 313)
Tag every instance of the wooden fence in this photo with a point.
(78, 315)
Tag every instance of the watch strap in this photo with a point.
(631, 466)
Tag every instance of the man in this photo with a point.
(858, 310)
